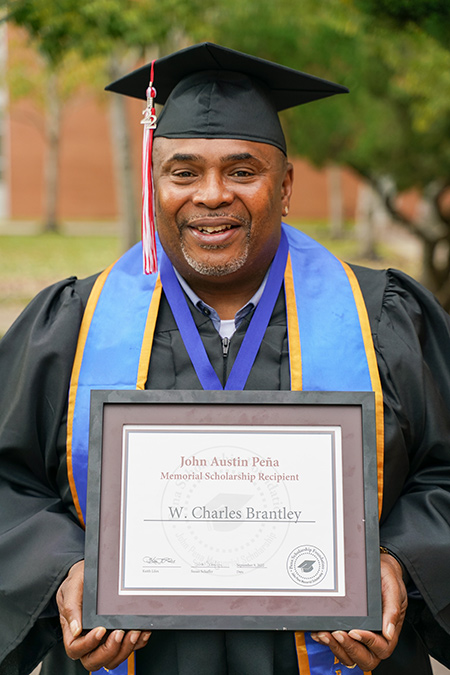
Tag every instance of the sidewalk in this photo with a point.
(69, 227)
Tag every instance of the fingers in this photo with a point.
(142, 639)
(116, 649)
(364, 648)
(78, 647)
(347, 650)
(97, 648)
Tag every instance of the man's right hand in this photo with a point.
(95, 649)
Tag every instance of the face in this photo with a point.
(219, 204)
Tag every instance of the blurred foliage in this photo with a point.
(393, 55)
(76, 38)
(393, 128)
(396, 120)
(432, 16)
(27, 74)
(99, 26)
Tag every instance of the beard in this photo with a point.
(213, 270)
(218, 270)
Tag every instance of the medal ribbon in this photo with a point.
(254, 334)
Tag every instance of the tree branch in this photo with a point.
(386, 188)
(442, 189)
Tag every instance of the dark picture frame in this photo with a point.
(352, 412)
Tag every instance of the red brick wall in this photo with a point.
(87, 180)
(86, 164)
(87, 171)
(310, 198)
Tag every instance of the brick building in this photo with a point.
(86, 168)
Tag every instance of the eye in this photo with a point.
(243, 173)
(183, 173)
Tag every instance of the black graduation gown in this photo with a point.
(39, 535)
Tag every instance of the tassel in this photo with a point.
(148, 212)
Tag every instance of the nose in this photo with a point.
(212, 191)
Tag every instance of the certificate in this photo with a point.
(232, 510)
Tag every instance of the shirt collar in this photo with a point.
(222, 327)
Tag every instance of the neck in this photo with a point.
(223, 296)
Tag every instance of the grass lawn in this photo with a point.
(29, 263)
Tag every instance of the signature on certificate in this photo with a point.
(152, 560)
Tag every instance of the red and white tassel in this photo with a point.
(148, 212)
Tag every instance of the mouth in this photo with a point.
(213, 229)
(214, 232)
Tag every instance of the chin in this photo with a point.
(209, 269)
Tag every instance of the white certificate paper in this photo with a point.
(224, 510)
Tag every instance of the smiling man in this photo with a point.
(251, 290)
(218, 209)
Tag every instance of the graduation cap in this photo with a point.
(307, 566)
(209, 91)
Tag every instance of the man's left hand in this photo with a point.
(364, 648)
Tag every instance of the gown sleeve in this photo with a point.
(40, 538)
(412, 340)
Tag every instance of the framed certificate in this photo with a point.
(232, 510)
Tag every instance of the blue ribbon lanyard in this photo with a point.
(253, 337)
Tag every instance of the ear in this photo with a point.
(286, 188)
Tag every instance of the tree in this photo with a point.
(118, 31)
(393, 130)
(432, 16)
(50, 88)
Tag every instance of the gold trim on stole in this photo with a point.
(82, 336)
(295, 352)
(130, 665)
(302, 653)
(374, 377)
(144, 362)
(149, 333)
(295, 361)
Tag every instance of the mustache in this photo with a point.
(191, 220)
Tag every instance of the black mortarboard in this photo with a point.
(216, 92)
(288, 87)
(210, 91)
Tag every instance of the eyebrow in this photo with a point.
(239, 157)
(181, 157)
(187, 157)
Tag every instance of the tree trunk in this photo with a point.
(129, 222)
(51, 172)
(336, 208)
(435, 267)
(433, 231)
(365, 222)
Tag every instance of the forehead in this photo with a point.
(213, 150)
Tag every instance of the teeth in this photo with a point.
(211, 229)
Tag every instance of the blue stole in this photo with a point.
(333, 358)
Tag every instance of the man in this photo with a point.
(222, 184)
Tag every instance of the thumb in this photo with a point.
(393, 595)
(69, 598)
